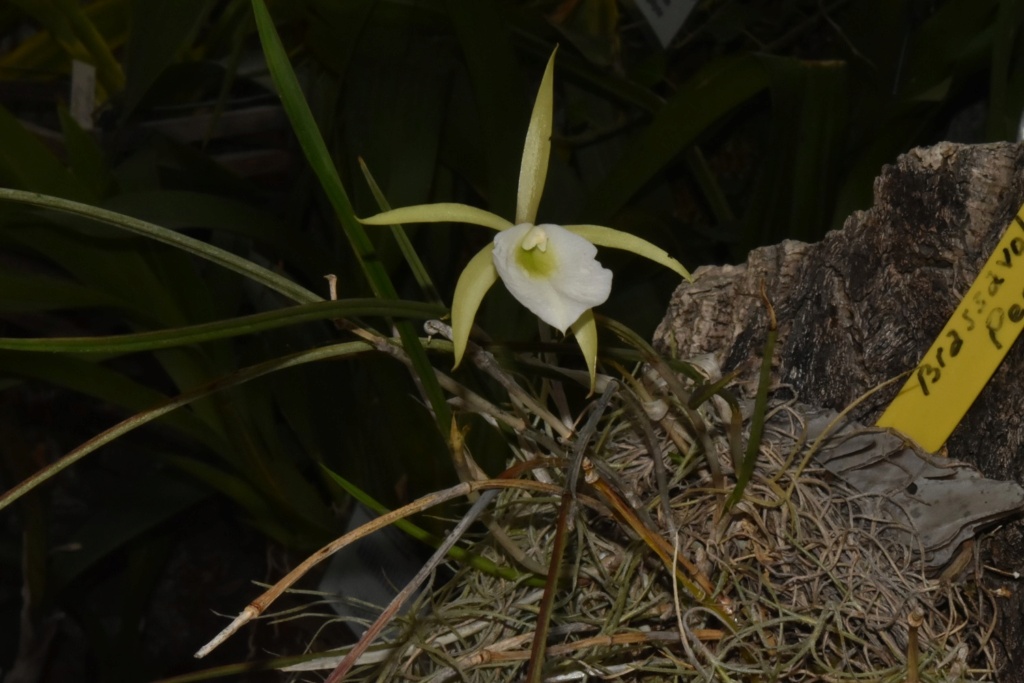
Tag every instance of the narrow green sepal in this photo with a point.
(617, 239)
(445, 212)
(533, 170)
(585, 332)
(475, 280)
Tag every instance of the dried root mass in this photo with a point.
(822, 581)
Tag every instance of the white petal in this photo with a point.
(566, 279)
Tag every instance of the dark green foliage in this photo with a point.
(762, 121)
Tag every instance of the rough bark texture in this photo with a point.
(865, 303)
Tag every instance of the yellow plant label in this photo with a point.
(969, 348)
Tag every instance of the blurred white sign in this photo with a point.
(666, 17)
(83, 93)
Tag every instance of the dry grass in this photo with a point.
(815, 585)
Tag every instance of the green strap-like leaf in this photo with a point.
(334, 351)
(86, 159)
(498, 85)
(419, 270)
(160, 33)
(442, 212)
(746, 469)
(617, 239)
(96, 381)
(473, 284)
(319, 159)
(696, 105)
(533, 171)
(181, 209)
(27, 163)
(316, 152)
(70, 24)
(194, 334)
(254, 272)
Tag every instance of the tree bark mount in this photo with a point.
(865, 304)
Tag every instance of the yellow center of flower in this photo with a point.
(532, 255)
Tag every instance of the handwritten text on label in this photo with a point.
(968, 349)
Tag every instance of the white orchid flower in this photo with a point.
(550, 269)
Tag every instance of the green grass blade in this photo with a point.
(419, 271)
(319, 158)
(710, 95)
(333, 351)
(85, 157)
(222, 329)
(221, 257)
(316, 152)
(70, 24)
(161, 31)
(97, 381)
(500, 92)
(746, 469)
(108, 70)
(26, 162)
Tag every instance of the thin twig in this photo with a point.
(260, 604)
(425, 571)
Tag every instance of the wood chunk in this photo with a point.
(865, 303)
